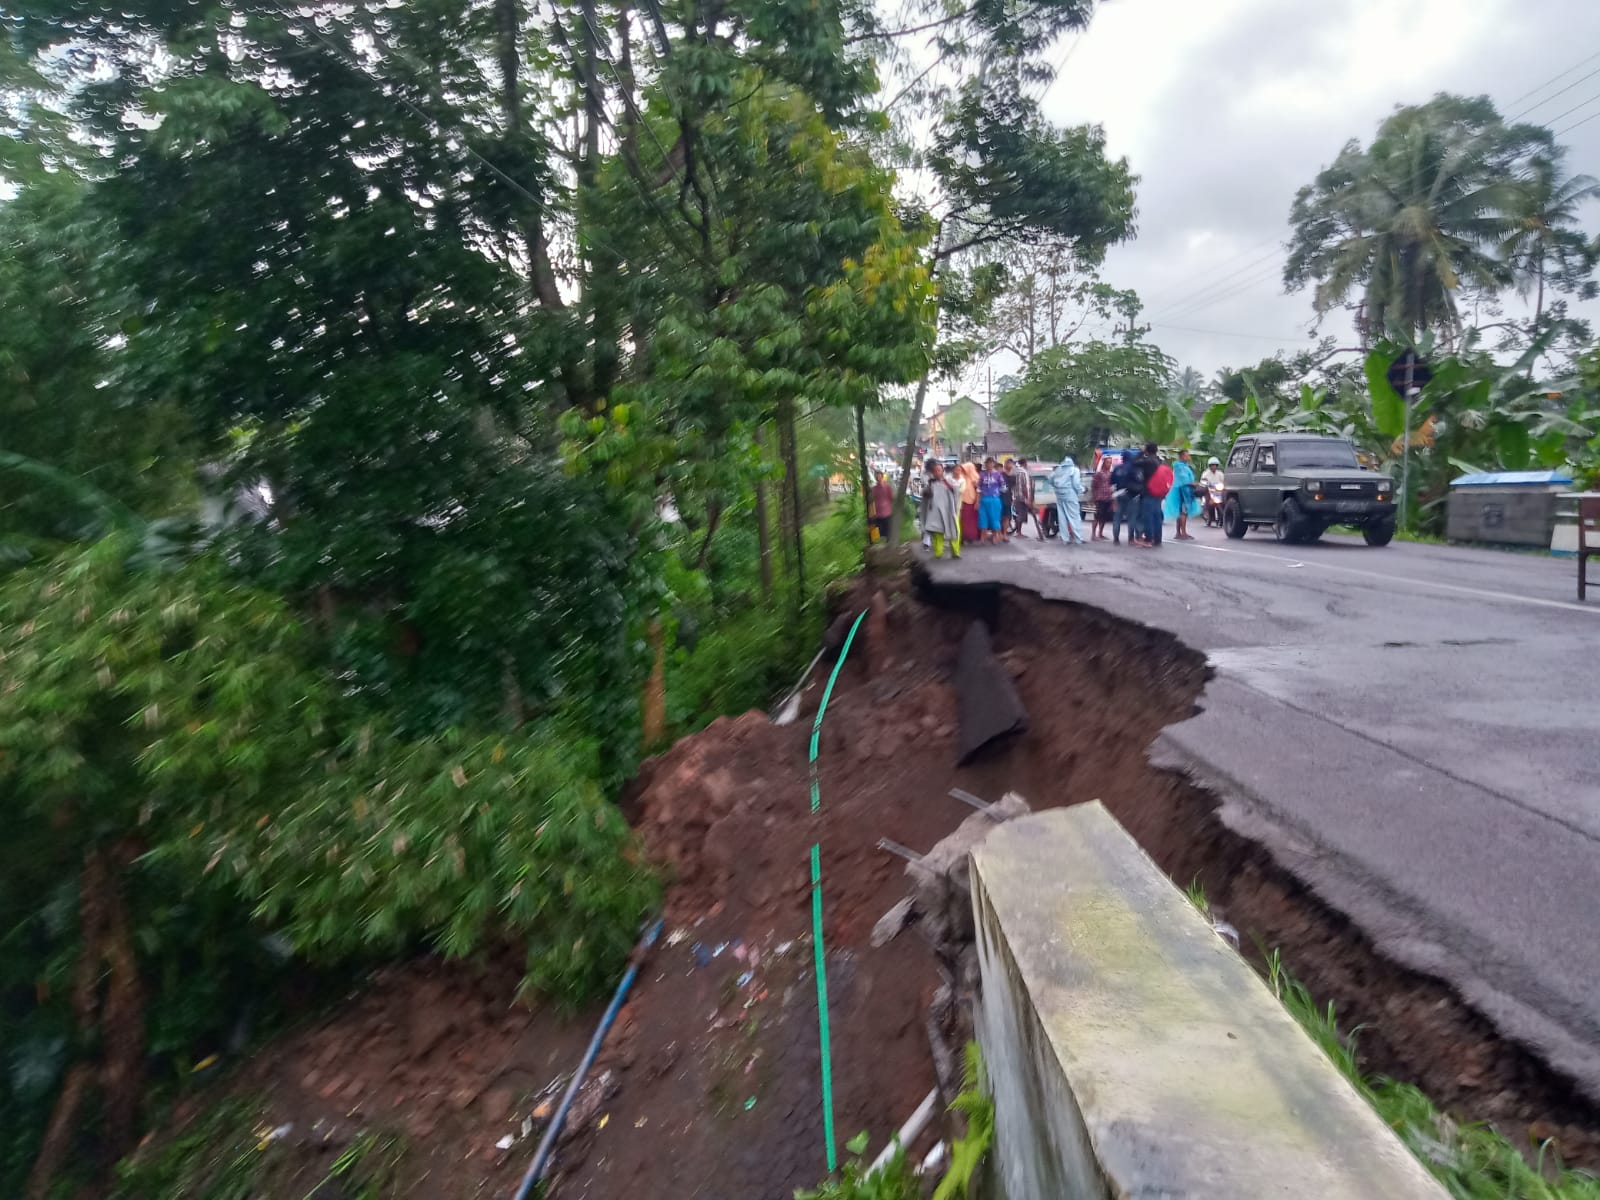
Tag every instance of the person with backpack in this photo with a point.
(1125, 491)
(1158, 482)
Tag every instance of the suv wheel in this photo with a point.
(1380, 533)
(1233, 519)
(1292, 525)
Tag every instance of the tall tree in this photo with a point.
(1409, 224)
(1547, 246)
(1006, 175)
(1069, 391)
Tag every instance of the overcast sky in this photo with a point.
(1225, 107)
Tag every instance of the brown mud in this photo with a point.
(709, 1085)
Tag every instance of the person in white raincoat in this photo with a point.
(1067, 481)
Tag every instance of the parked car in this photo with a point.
(1298, 484)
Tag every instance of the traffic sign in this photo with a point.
(1409, 371)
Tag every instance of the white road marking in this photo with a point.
(1479, 593)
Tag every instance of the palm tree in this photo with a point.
(1546, 239)
(1416, 218)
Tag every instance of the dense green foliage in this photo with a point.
(1072, 390)
(411, 414)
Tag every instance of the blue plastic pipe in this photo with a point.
(547, 1144)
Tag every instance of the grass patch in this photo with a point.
(897, 1181)
(1472, 1160)
(233, 1153)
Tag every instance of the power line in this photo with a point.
(1059, 67)
(1552, 79)
(1215, 282)
(1260, 337)
(1553, 95)
(1210, 301)
(1160, 304)
(1575, 124)
(1573, 109)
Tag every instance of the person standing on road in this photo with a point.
(1104, 496)
(969, 502)
(1022, 499)
(882, 501)
(941, 510)
(1015, 481)
(1124, 493)
(1153, 490)
(1181, 502)
(1156, 493)
(1067, 482)
(991, 502)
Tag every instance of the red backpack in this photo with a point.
(1161, 482)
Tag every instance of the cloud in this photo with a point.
(1226, 108)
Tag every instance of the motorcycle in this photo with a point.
(1213, 504)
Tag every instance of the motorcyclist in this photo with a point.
(1211, 483)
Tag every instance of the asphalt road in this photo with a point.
(1413, 731)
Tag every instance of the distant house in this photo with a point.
(966, 422)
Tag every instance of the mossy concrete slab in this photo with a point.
(1132, 1053)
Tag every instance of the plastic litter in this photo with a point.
(505, 1143)
(749, 1104)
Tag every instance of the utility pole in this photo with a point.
(1405, 445)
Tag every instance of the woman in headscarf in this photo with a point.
(969, 502)
(1067, 482)
(940, 496)
(1105, 501)
(1182, 502)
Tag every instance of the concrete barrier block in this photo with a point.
(1133, 1054)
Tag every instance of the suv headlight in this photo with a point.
(1384, 485)
(1313, 485)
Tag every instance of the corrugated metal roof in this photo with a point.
(1510, 478)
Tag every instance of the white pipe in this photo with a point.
(789, 709)
(908, 1132)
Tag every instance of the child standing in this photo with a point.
(941, 516)
(991, 502)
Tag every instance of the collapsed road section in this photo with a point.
(729, 1006)
(708, 1084)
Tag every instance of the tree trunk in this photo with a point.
(104, 937)
(59, 1132)
(793, 512)
(916, 409)
(653, 704)
(763, 534)
(866, 471)
(1538, 308)
(906, 461)
(713, 519)
(122, 1022)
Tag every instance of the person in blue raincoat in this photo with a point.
(1183, 501)
(1067, 481)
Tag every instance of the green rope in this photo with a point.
(816, 914)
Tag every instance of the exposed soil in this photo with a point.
(709, 1085)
